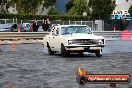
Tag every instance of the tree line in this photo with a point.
(26, 6)
(96, 9)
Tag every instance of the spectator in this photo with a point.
(49, 23)
(45, 25)
(35, 26)
(31, 28)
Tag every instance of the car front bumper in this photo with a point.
(83, 47)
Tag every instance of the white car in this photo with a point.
(26, 27)
(66, 39)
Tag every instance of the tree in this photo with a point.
(3, 1)
(72, 11)
(69, 5)
(30, 6)
(80, 6)
(130, 10)
(3, 6)
(48, 3)
(101, 9)
(26, 6)
(52, 11)
(77, 7)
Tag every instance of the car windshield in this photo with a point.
(75, 29)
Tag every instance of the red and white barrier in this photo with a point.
(126, 35)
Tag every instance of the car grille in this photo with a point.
(85, 41)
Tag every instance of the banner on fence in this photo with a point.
(126, 35)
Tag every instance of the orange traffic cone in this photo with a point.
(13, 46)
(18, 27)
(10, 86)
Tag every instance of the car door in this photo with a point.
(51, 39)
(57, 39)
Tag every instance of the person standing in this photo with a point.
(35, 26)
(48, 24)
(44, 25)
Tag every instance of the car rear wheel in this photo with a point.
(98, 53)
(80, 53)
(64, 53)
(12, 29)
(49, 50)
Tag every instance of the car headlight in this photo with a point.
(69, 41)
(100, 42)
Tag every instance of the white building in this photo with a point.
(121, 9)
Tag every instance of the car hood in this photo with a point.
(82, 36)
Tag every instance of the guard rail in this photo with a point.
(109, 35)
(39, 35)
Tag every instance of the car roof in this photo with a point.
(25, 23)
(5, 25)
(69, 25)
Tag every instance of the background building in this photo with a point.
(121, 9)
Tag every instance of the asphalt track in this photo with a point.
(30, 66)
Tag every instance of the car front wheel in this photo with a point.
(98, 53)
(80, 53)
(64, 53)
(49, 50)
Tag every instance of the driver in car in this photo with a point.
(66, 31)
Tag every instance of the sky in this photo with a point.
(120, 1)
(60, 5)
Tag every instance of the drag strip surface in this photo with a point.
(30, 66)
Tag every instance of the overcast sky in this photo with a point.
(119, 1)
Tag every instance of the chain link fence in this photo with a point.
(5, 21)
(107, 25)
(91, 24)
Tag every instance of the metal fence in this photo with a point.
(15, 20)
(107, 25)
(91, 24)
(4, 21)
(109, 35)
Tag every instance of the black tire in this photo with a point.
(64, 53)
(98, 53)
(49, 50)
(80, 53)
(83, 80)
(12, 29)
